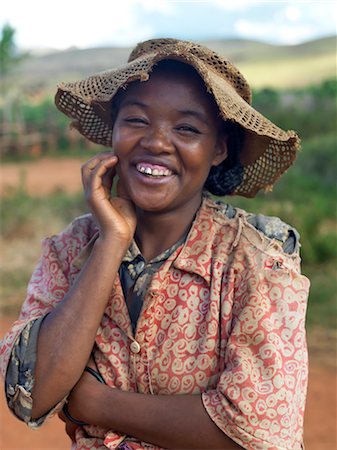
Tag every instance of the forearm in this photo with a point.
(169, 421)
(68, 333)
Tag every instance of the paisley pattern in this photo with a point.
(223, 317)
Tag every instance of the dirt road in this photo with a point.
(42, 176)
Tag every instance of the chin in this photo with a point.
(151, 207)
(151, 204)
(148, 199)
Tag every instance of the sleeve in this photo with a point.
(19, 379)
(260, 397)
(47, 287)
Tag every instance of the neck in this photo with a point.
(156, 233)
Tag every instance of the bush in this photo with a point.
(23, 216)
(309, 111)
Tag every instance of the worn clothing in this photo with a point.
(222, 316)
(136, 274)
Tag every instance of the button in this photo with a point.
(135, 347)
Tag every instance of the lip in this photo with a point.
(151, 181)
(154, 162)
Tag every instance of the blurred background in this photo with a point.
(287, 52)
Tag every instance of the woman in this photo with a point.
(165, 319)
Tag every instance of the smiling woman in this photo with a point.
(166, 319)
(167, 135)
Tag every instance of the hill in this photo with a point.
(263, 64)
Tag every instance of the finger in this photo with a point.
(92, 162)
(89, 166)
(62, 416)
(107, 180)
(92, 178)
(103, 173)
(71, 430)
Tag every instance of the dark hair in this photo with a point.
(224, 178)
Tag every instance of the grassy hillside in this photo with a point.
(262, 64)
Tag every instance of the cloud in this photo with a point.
(292, 13)
(161, 6)
(289, 22)
(67, 23)
(286, 34)
(237, 5)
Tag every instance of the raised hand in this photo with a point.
(115, 215)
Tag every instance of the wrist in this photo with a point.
(107, 244)
(71, 418)
(86, 407)
(98, 409)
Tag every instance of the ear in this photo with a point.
(221, 150)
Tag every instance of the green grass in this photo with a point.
(24, 216)
(322, 305)
(289, 72)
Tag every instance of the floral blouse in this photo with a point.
(220, 314)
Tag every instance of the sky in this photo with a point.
(60, 24)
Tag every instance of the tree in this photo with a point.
(9, 56)
(11, 120)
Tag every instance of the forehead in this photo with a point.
(171, 88)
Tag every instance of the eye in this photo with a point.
(136, 120)
(188, 129)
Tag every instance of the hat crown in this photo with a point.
(190, 52)
(267, 150)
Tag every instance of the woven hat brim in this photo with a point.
(267, 152)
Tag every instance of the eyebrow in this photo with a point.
(184, 112)
(193, 113)
(133, 103)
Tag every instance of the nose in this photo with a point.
(157, 140)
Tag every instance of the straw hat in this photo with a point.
(267, 150)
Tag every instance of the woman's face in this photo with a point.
(166, 136)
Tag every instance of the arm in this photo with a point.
(169, 421)
(60, 358)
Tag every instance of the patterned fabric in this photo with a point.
(222, 317)
(135, 275)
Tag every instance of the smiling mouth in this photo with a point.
(153, 170)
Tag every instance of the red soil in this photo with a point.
(42, 176)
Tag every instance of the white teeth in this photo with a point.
(154, 172)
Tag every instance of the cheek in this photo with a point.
(199, 157)
(116, 139)
(122, 144)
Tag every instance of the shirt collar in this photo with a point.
(198, 249)
(209, 241)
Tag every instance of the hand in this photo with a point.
(115, 215)
(84, 396)
(69, 426)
